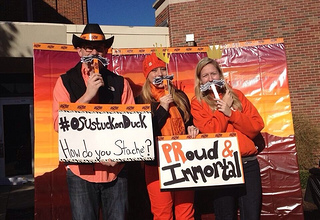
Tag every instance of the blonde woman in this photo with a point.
(170, 116)
(223, 109)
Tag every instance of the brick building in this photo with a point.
(49, 11)
(222, 22)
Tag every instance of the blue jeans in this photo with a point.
(87, 198)
(247, 197)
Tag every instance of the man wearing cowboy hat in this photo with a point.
(101, 183)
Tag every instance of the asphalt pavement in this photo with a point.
(17, 202)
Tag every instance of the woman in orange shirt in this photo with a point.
(223, 109)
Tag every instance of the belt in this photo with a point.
(248, 158)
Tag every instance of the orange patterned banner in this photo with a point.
(257, 68)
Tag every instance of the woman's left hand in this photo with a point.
(193, 131)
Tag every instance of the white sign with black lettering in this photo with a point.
(207, 160)
(90, 133)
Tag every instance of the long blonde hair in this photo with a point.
(178, 97)
(209, 99)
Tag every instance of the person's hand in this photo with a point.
(109, 163)
(193, 131)
(94, 82)
(165, 101)
(223, 107)
(227, 98)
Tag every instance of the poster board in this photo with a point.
(205, 161)
(92, 133)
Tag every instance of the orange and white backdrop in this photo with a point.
(258, 69)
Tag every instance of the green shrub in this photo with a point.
(307, 139)
(304, 174)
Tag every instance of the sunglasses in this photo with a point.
(90, 48)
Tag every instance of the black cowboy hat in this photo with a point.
(92, 33)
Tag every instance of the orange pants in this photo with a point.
(162, 203)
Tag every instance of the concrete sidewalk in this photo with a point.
(17, 201)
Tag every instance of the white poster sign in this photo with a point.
(207, 160)
(90, 133)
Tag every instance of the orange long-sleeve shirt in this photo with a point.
(246, 123)
(90, 172)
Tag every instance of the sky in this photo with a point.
(121, 12)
